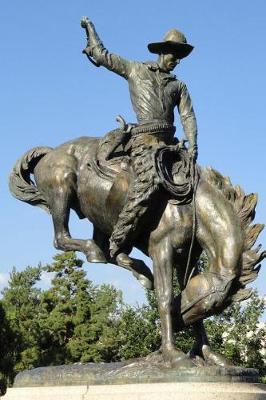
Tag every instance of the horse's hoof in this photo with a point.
(198, 360)
(93, 253)
(177, 359)
(123, 260)
(144, 281)
(155, 357)
(215, 358)
(136, 266)
(96, 257)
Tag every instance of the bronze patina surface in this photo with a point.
(138, 371)
(140, 186)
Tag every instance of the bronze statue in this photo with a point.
(154, 93)
(142, 182)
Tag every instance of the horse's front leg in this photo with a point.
(162, 256)
(138, 268)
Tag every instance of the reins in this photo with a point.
(195, 179)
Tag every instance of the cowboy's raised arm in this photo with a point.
(188, 119)
(100, 54)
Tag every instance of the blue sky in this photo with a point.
(50, 94)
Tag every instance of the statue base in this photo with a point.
(146, 370)
(146, 391)
(137, 380)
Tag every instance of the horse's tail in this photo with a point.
(244, 206)
(21, 185)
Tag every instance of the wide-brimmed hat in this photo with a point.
(174, 41)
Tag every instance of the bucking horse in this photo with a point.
(218, 220)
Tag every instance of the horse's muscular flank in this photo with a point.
(224, 217)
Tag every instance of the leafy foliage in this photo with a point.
(76, 321)
(21, 301)
(6, 350)
(238, 334)
(72, 321)
(140, 330)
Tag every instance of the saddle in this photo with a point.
(174, 168)
(111, 155)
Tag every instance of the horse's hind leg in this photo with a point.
(63, 240)
(58, 183)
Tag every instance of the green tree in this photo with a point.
(64, 305)
(21, 301)
(139, 330)
(6, 351)
(239, 335)
(237, 332)
(104, 325)
(78, 320)
(75, 321)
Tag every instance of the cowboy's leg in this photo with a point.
(143, 186)
(127, 221)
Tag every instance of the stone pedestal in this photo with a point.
(144, 391)
(136, 380)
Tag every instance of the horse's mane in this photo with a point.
(244, 206)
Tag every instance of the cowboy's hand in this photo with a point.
(87, 51)
(84, 22)
(193, 152)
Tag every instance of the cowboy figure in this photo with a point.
(154, 93)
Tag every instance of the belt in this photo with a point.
(153, 128)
